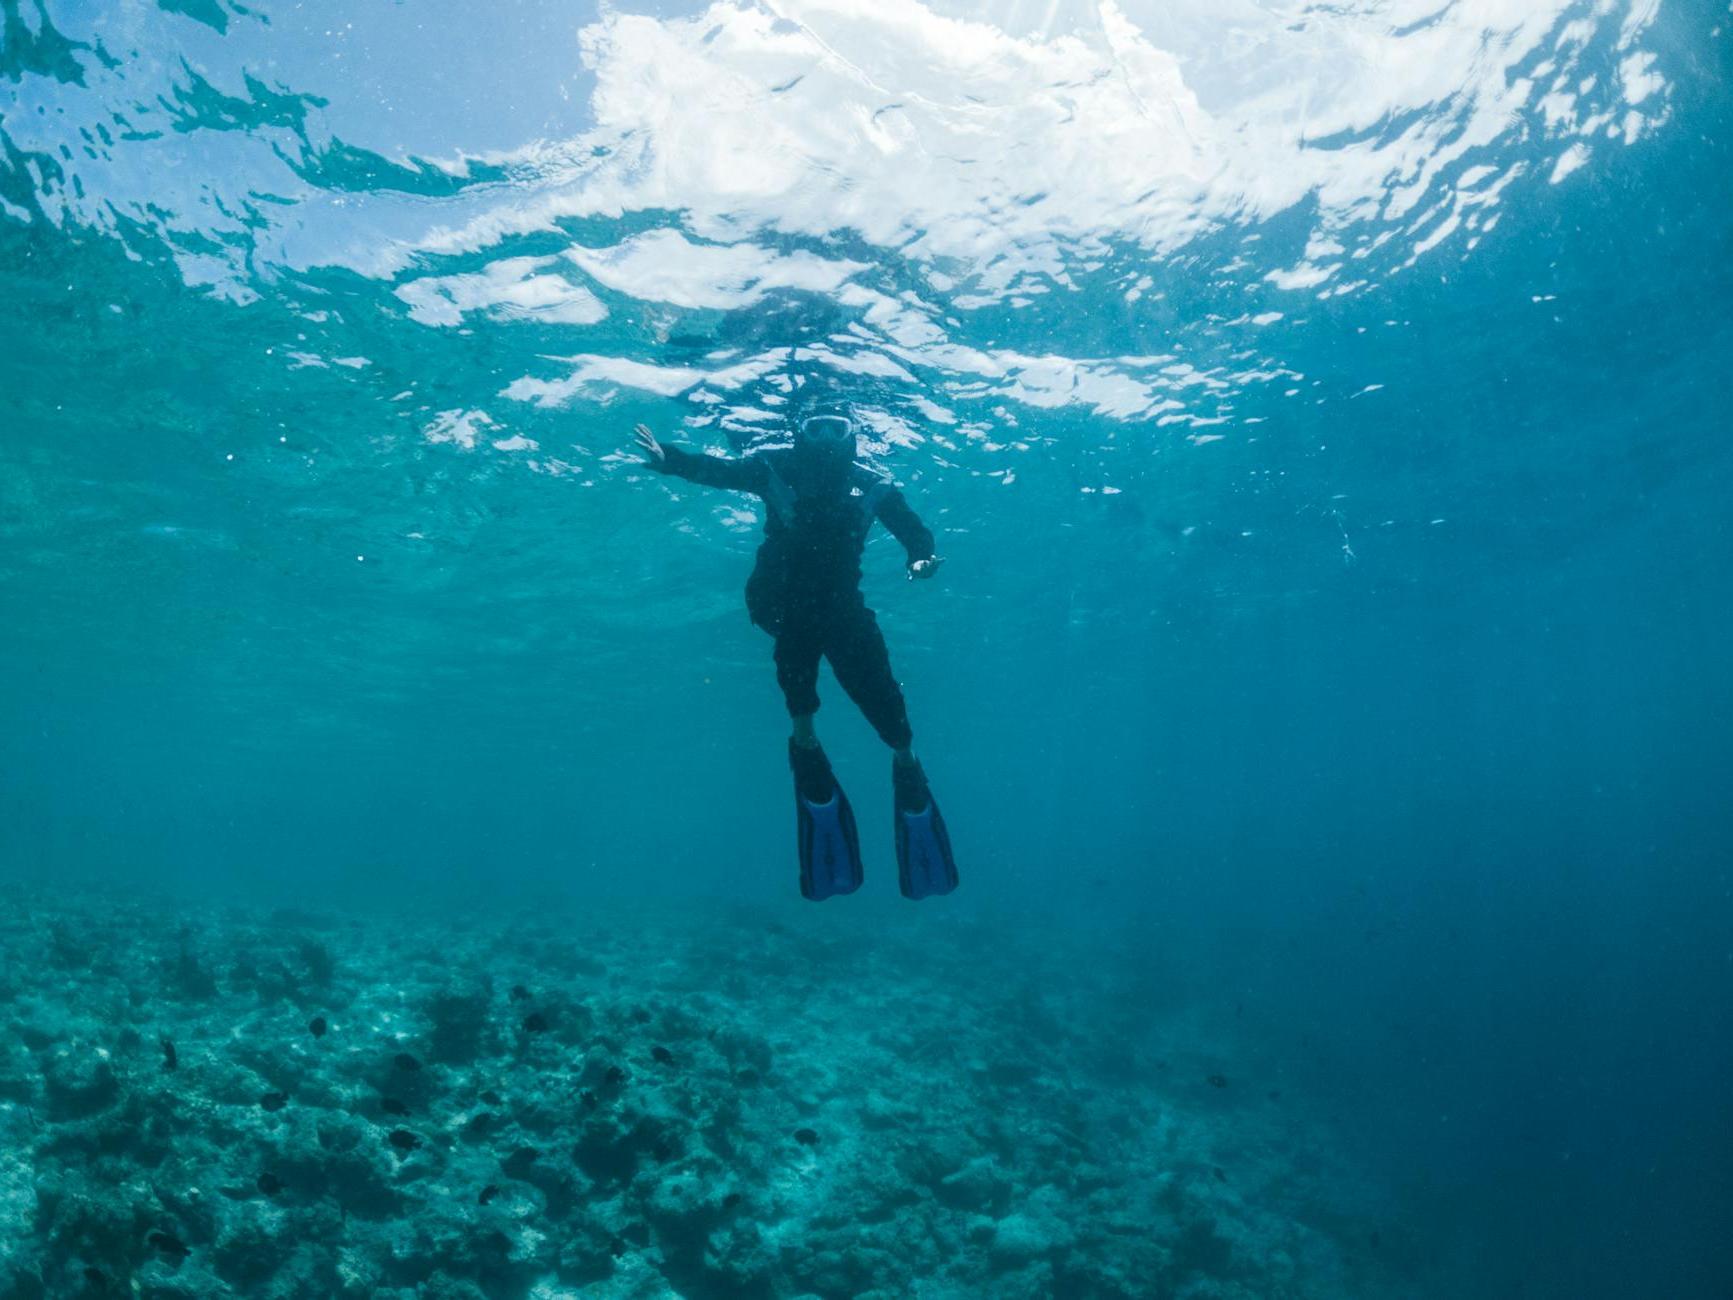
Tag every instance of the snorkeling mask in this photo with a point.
(829, 434)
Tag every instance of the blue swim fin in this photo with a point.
(829, 845)
(924, 863)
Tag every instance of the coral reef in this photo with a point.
(625, 1104)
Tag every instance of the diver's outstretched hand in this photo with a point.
(647, 444)
(925, 568)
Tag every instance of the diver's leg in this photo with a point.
(862, 663)
(829, 844)
(856, 650)
(798, 649)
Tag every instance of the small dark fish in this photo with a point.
(170, 1059)
(519, 993)
(806, 1137)
(274, 1100)
(1275, 1094)
(661, 1055)
(1217, 1081)
(491, 1097)
(614, 1077)
(487, 1194)
(403, 1139)
(169, 1245)
(317, 1026)
(391, 1106)
(617, 1247)
(94, 1276)
(404, 1061)
(731, 1200)
(517, 1164)
(1377, 1239)
(640, 1016)
(269, 1183)
(588, 1099)
(535, 1023)
(1220, 1173)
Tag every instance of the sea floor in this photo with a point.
(634, 1102)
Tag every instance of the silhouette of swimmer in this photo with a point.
(820, 505)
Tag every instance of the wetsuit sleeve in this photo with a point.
(895, 514)
(712, 471)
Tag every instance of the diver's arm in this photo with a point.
(696, 467)
(895, 513)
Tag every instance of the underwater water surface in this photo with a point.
(1322, 411)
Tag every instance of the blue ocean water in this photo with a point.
(1322, 410)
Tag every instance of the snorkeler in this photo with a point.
(805, 591)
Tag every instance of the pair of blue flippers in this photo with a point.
(830, 845)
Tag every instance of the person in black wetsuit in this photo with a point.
(820, 504)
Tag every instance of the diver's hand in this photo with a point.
(647, 444)
(924, 568)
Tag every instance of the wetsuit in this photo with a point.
(805, 587)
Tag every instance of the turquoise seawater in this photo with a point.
(1323, 413)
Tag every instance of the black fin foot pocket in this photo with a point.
(925, 865)
(829, 842)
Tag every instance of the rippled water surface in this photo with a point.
(1322, 409)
